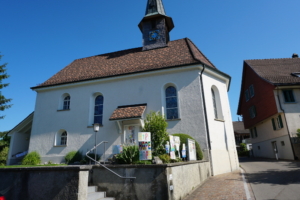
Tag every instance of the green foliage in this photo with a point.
(243, 147)
(143, 162)
(3, 156)
(129, 155)
(298, 132)
(3, 101)
(243, 153)
(92, 155)
(73, 156)
(183, 137)
(165, 158)
(157, 125)
(33, 158)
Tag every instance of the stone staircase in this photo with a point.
(93, 194)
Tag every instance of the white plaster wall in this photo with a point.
(223, 149)
(266, 148)
(134, 89)
(292, 110)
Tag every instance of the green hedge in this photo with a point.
(33, 158)
(183, 137)
(73, 156)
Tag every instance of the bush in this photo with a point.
(165, 158)
(243, 150)
(73, 156)
(3, 156)
(129, 155)
(243, 147)
(33, 158)
(92, 155)
(157, 125)
(183, 137)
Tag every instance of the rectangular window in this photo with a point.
(282, 143)
(251, 89)
(253, 132)
(247, 95)
(288, 96)
(252, 112)
(277, 123)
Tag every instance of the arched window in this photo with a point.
(214, 103)
(217, 106)
(66, 105)
(171, 103)
(98, 111)
(63, 138)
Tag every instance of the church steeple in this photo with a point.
(155, 26)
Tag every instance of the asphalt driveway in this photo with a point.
(271, 179)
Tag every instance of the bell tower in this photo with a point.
(155, 26)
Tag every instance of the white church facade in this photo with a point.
(118, 89)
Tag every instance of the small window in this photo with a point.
(66, 103)
(247, 95)
(288, 96)
(98, 110)
(252, 112)
(277, 123)
(171, 103)
(282, 143)
(251, 89)
(63, 140)
(253, 132)
(214, 103)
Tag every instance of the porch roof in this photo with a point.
(128, 112)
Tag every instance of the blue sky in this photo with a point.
(38, 38)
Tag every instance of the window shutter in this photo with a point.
(280, 121)
(273, 122)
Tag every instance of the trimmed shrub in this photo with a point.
(73, 156)
(165, 158)
(183, 137)
(33, 158)
(3, 156)
(129, 155)
(157, 125)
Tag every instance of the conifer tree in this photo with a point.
(3, 101)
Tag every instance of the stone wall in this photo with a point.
(153, 182)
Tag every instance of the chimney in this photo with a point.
(295, 55)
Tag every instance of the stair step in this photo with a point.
(92, 189)
(96, 195)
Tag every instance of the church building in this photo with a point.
(118, 89)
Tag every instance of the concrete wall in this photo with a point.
(142, 88)
(45, 183)
(153, 182)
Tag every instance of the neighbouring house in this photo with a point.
(270, 105)
(118, 89)
(241, 135)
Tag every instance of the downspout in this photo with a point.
(206, 123)
(295, 157)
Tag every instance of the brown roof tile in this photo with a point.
(277, 71)
(127, 112)
(239, 127)
(177, 53)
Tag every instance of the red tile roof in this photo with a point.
(277, 71)
(127, 112)
(177, 53)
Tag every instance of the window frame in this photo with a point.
(288, 96)
(252, 112)
(63, 138)
(167, 108)
(251, 91)
(100, 113)
(214, 103)
(277, 123)
(66, 103)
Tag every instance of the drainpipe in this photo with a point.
(206, 123)
(295, 157)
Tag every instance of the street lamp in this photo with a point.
(96, 129)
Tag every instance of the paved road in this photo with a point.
(272, 179)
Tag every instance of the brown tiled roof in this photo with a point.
(177, 53)
(238, 127)
(127, 112)
(277, 71)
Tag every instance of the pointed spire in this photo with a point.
(154, 7)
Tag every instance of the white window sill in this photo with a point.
(60, 145)
(177, 119)
(63, 110)
(91, 126)
(220, 120)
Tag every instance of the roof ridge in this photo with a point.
(188, 40)
(270, 59)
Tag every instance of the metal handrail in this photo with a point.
(104, 162)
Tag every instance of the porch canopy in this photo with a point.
(128, 112)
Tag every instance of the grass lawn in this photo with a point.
(18, 166)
